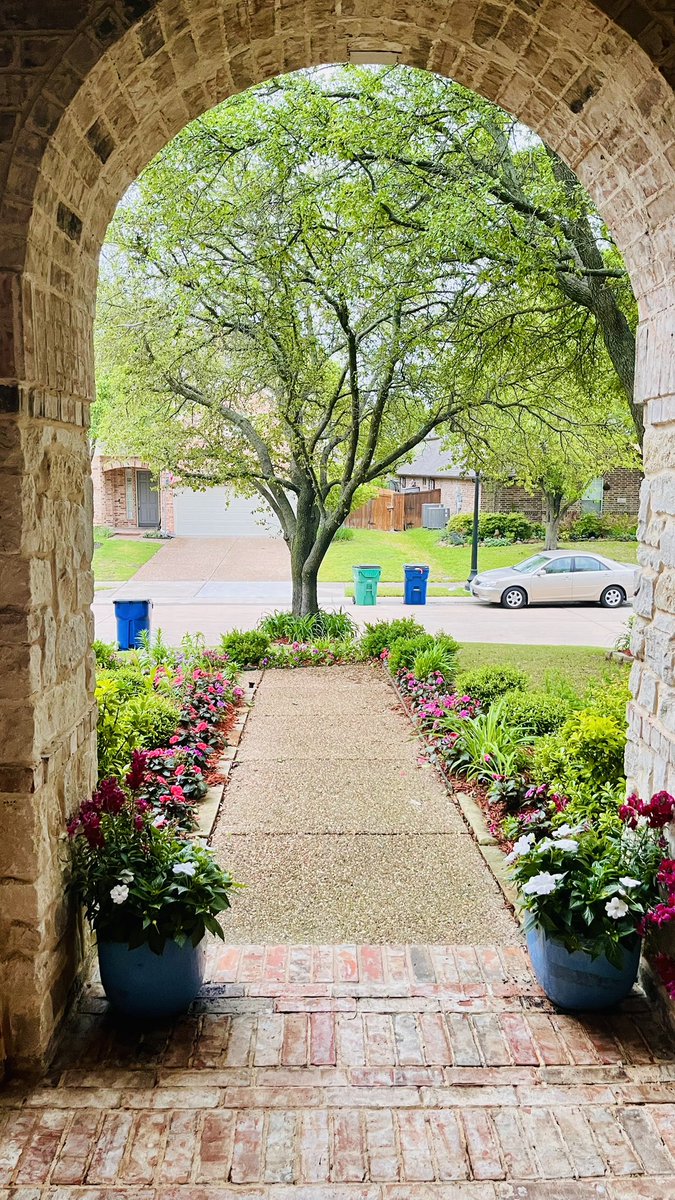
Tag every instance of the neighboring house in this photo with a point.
(432, 469)
(617, 492)
(128, 497)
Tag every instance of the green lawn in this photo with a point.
(579, 664)
(448, 563)
(117, 559)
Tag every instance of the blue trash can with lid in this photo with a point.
(133, 617)
(416, 577)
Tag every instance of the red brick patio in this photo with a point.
(345, 1073)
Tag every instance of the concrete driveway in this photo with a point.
(218, 559)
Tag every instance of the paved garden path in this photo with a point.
(351, 1073)
(339, 832)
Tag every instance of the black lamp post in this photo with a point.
(474, 532)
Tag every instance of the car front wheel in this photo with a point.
(612, 597)
(514, 597)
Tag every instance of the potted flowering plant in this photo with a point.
(150, 895)
(589, 894)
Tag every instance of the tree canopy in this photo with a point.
(317, 274)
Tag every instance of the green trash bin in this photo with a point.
(365, 584)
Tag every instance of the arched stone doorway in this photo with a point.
(84, 107)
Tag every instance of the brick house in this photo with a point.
(431, 469)
(128, 498)
(617, 493)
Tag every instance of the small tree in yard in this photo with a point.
(521, 448)
(284, 315)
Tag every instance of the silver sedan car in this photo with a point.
(558, 575)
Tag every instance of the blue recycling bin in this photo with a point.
(415, 584)
(132, 616)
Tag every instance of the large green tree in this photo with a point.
(292, 298)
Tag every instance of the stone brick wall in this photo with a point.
(89, 95)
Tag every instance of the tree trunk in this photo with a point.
(554, 515)
(304, 573)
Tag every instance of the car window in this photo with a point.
(584, 563)
(531, 564)
(558, 566)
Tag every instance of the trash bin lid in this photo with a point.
(416, 567)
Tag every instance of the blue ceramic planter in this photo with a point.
(574, 980)
(142, 984)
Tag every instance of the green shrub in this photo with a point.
(584, 756)
(507, 527)
(343, 534)
(586, 527)
(404, 651)
(514, 526)
(382, 635)
(151, 720)
(128, 680)
(246, 648)
(285, 625)
(461, 523)
(130, 720)
(609, 698)
(487, 684)
(536, 713)
(487, 744)
(498, 541)
(105, 654)
(441, 658)
(337, 625)
(621, 527)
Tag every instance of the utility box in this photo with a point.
(434, 516)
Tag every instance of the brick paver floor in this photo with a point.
(351, 1073)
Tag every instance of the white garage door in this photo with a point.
(218, 512)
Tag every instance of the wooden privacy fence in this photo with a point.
(393, 511)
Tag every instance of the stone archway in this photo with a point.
(85, 107)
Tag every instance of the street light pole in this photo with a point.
(474, 532)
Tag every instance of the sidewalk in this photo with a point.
(192, 606)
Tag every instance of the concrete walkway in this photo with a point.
(339, 831)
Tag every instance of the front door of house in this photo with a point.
(147, 498)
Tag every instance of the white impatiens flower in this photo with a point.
(186, 868)
(569, 845)
(119, 893)
(616, 908)
(627, 882)
(127, 876)
(522, 846)
(562, 831)
(542, 884)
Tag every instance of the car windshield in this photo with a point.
(532, 564)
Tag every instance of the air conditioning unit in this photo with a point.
(434, 516)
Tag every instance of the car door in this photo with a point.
(589, 578)
(553, 582)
